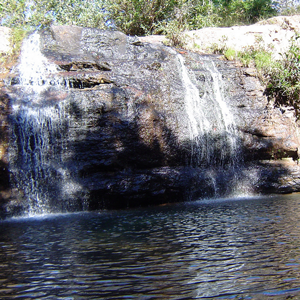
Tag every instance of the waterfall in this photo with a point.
(38, 132)
(49, 153)
(197, 121)
(36, 73)
(36, 136)
(212, 130)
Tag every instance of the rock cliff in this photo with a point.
(126, 137)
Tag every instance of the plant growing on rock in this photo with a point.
(284, 78)
(221, 47)
(16, 38)
(257, 56)
(173, 32)
(230, 54)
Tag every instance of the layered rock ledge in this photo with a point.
(127, 136)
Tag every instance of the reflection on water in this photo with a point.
(225, 249)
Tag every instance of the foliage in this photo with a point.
(246, 58)
(173, 32)
(174, 28)
(13, 12)
(263, 61)
(287, 7)
(201, 14)
(25, 15)
(134, 17)
(16, 38)
(256, 57)
(41, 13)
(230, 54)
(219, 48)
(291, 11)
(140, 17)
(284, 78)
(8, 60)
(238, 12)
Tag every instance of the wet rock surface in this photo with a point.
(126, 136)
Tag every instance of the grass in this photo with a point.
(230, 54)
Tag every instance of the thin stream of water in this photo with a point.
(36, 73)
(213, 134)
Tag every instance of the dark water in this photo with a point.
(217, 249)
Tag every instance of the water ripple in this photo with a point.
(248, 249)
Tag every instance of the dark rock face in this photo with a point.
(4, 137)
(125, 130)
(267, 132)
(125, 110)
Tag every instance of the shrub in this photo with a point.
(246, 58)
(140, 17)
(42, 13)
(174, 33)
(257, 56)
(284, 78)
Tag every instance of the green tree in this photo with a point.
(195, 14)
(238, 12)
(13, 12)
(135, 17)
(41, 13)
(140, 17)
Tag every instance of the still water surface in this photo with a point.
(214, 249)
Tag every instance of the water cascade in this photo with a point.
(102, 121)
(38, 132)
(213, 134)
(71, 142)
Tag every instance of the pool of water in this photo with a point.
(213, 249)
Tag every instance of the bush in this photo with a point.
(236, 12)
(174, 33)
(140, 17)
(230, 54)
(41, 13)
(263, 61)
(284, 78)
(202, 14)
(257, 56)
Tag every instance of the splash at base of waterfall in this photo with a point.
(35, 155)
